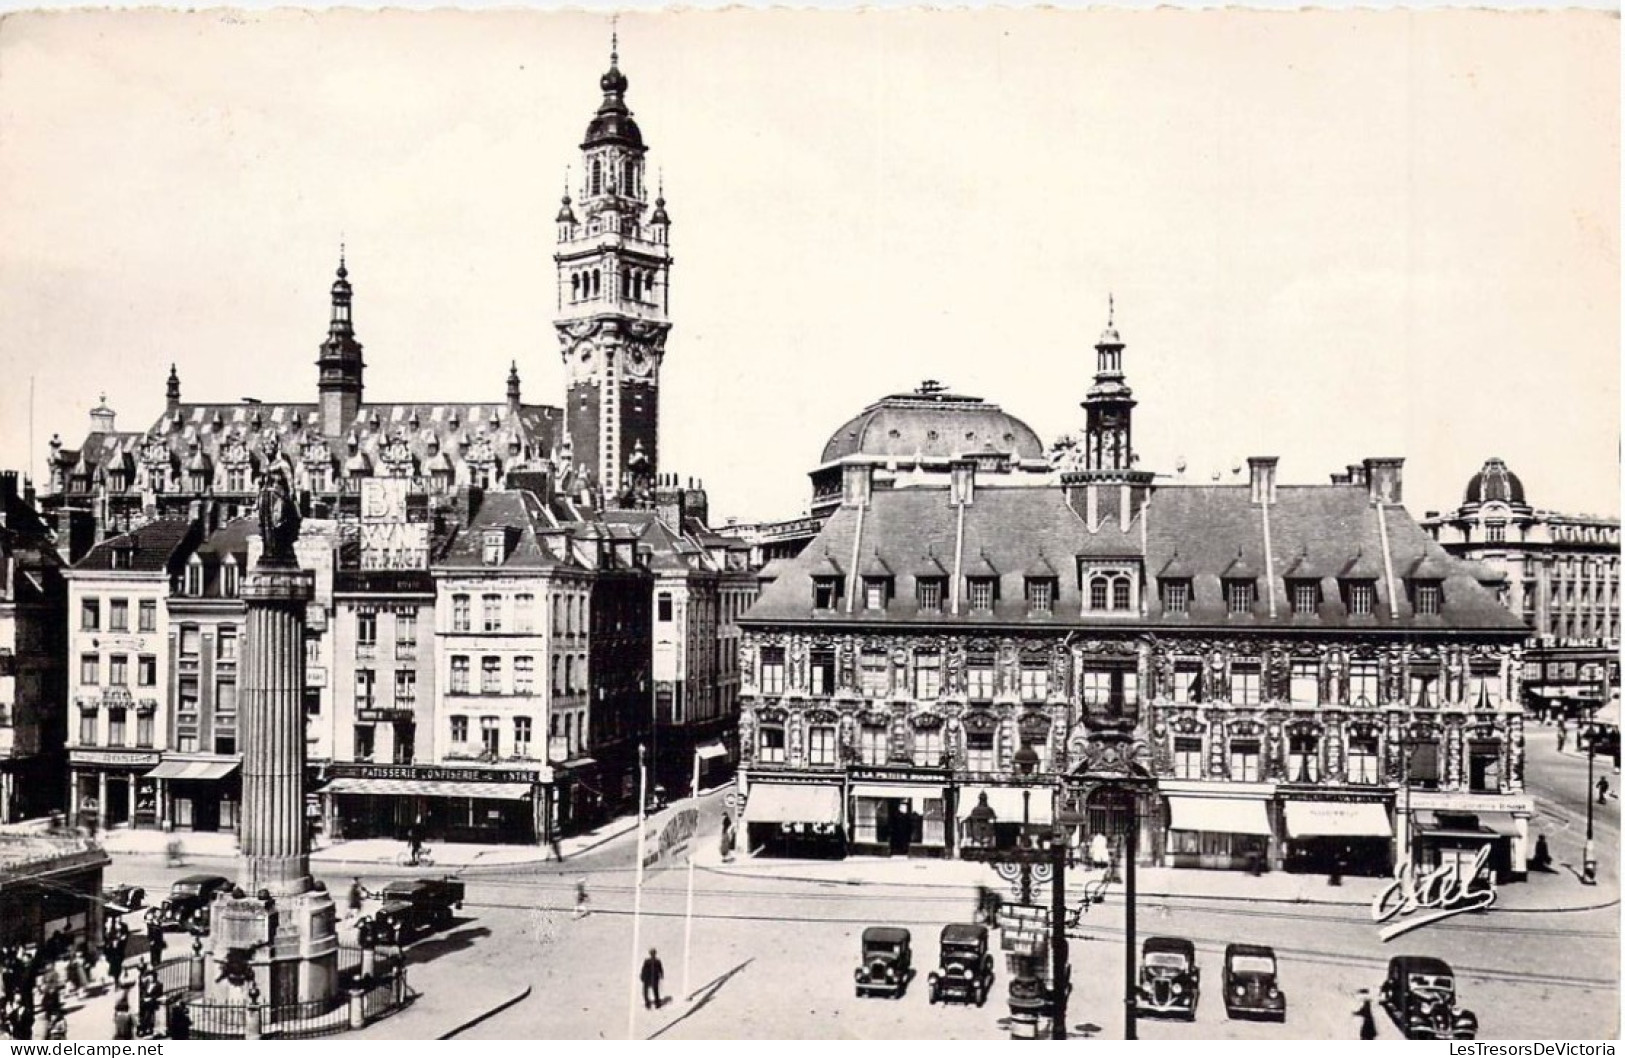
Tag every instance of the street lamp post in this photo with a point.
(1589, 871)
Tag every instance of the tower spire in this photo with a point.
(339, 362)
(1109, 406)
(172, 389)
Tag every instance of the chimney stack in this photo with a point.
(1384, 479)
(1261, 475)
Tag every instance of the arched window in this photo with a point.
(1097, 592)
(626, 283)
(597, 179)
(630, 186)
(1120, 593)
(575, 287)
(594, 293)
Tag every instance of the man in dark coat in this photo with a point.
(652, 975)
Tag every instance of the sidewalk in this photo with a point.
(1542, 892)
(371, 852)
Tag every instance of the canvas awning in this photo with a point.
(792, 803)
(711, 751)
(1324, 819)
(1006, 803)
(482, 791)
(190, 770)
(1218, 815)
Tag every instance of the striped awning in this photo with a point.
(480, 791)
(711, 751)
(186, 770)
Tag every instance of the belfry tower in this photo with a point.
(1109, 406)
(613, 266)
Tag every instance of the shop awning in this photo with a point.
(912, 793)
(193, 770)
(482, 791)
(1006, 803)
(1502, 823)
(1218, 815)
(711, 751)
(1323, 819)
(790, 803)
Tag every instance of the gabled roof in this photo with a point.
(516, 509)
(928, 566)
(825, 567)
(160, 546)
(1040, 568)
(874, 566)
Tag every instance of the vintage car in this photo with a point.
(1170, 982)
(888, 962)
(121, 899)
(965, 968)
(1250, 986)
(414, 908)
(1419, 993)
(189, 899)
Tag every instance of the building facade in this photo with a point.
(1561, 576)
(1298, 673)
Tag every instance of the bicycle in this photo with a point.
(420, 857)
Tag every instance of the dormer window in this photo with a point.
(123, 555)
(928, 594)
(1040, 594)
(1176, 595)
(1107, 589)
(229, 574)
(1425, 597)
(876, 592)
(1496, 532)
(827, 592)
(1239, 596)
(494, 547)
(983, 592)
(1360, 596)
(194, 577)
(1305, 595)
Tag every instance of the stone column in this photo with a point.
(274, 853)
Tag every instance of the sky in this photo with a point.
(1329, 235)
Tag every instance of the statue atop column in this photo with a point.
(279, 522)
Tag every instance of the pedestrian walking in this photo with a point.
(148, 995)
(155, 943)
(180, 1022)
(24, 1024)
(1368, 1021)
(653, 974)
(114, 949)
(1562, 733)
(1602, 790)
(581, 898)
(123, 1023)
(356, 894)
(1543, 855)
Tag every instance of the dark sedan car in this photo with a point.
(190, 897)
(888, 962)
(1419, 993)
(1250, 986)
(965, 973)
(1170, 981)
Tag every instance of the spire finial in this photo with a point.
(343, 272)
(614, 39)
(1111, 309)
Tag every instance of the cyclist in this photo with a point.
(414, 842)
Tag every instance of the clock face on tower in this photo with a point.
(639, 363)
(583, 359)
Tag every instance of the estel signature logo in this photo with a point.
(1447, 890)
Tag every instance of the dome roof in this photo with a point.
(1495, 483)
(932, 423)
(613, 123)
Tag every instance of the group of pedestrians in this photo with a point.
(35, 980)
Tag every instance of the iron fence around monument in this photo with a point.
(380, 994)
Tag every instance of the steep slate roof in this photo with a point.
(506, 509)
(1201, 532)
(160, 546)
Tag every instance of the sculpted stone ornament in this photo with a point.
(279, 522)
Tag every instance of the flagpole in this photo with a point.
(688, 915)
(637, 908)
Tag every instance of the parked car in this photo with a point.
(120, 899)
(888, 962)
(190, 897)
(1170, 982)
(1419, 993)
(414, 908)
(1250, 986)
(964, 972)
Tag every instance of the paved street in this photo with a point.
(775, 945)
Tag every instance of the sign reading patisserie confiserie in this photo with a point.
(429, 773)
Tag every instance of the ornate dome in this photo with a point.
(932, 422)
(613, 123)
(1495, 483)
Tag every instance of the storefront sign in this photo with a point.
(315, 677)
(1473, 803)
(429, 773)
(798, 778)
(668, 842)
(117, 760)
(1448, 890)
(933, 776)
(1024, 928)
(382, 716)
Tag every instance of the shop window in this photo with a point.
(874, 744)
(490, 735)
(979, 751)
(770, 744)
(118, 670)
(118, 615)
(116, 726)
(875, 674)
(1034, 683)
(927, 676)
(772, 670)
(1303, 758)
(927, 747)
(1187, 757)
(90, 615)
(363, 741)
(1244, 760)
(521, 736)
(821, 744)
(459, 730)
(147, 615)
(1184, 842)
(1305, 683)
(821, 672)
